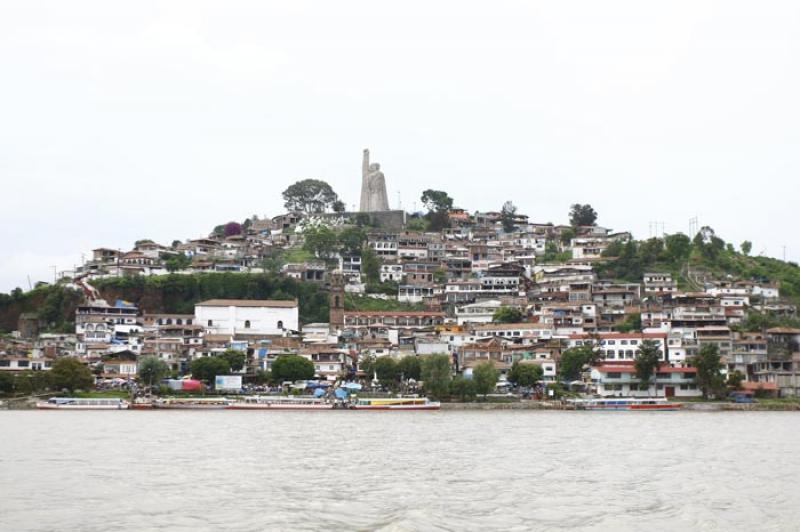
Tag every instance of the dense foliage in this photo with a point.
(507, 315)
(71, 374)
(310, 196)
(525, 375)
(485, 376)
(582, 215)
(179, 293)
(206, 369)
(709, 366)
(152, 370)
(292, 368)
(436, 375)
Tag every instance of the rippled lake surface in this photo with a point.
(504, 470)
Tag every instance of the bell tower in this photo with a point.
(336, 303)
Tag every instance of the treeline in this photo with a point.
(629, 261)
(179, 293)
(54, 304)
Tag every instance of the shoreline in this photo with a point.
(548, 405)
(688, 406)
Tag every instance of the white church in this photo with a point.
(254, 316)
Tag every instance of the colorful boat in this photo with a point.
(192, 403)
(394, 403)
(266, 402)
(79, 403)
(626, 403)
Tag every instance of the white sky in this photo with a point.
(128, 120)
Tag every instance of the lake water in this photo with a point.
(502, 470)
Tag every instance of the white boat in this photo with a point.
(192, 403)
(266, 402)
(394, 403)
(79, 403)
(626, 403)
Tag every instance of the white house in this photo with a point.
(231, 316)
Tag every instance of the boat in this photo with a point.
(192, 403)
(626, 403)
(80, 403)
(142, 404)
(394, 403)
(266, 402)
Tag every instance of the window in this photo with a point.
(5, 363)
(210, 323)
(613, 375)
(247, 324)
(623, 342)
(280, 324)
(23, 363)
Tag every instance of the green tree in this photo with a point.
(437, 200)
(632, 322)
(708, 364)
(206, 369)
(746, 247)
(507, 216)
(263, 377)
(436, 375)
(647, 361)
(321, 241)
(351, 241)
(582, 215)
(71, 374)
(463, 389)
(292, 368)
(6, 382)
(567, 235)
(236, 359)
(410, 367)
(152, 370)
(371, 265)
(735, 380)
(438, 204)
(485, 376)
(177, 262)
(574, 359)
(387, 371)
(338, 206)
(677, 247)
(525, 375)
(366, 363)
(507, 315)
(310, 196)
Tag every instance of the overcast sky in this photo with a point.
(121, 121)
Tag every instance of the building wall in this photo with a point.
(263, 320)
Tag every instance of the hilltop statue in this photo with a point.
(373, 187)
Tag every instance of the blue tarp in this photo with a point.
(340, 393)
(319, 392)
(352, 386)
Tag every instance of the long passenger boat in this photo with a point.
(626, 403)
(79, 403)
(265, 402)
(192, 403)
(399, 403)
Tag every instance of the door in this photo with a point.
(669, 391)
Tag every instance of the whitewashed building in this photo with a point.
(256, 316)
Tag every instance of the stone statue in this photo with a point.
(373, 187)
